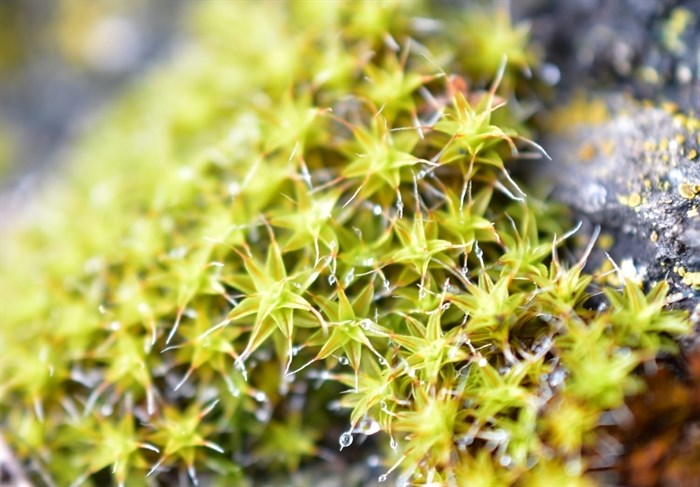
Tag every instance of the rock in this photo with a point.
(634, 170)
(648, 48)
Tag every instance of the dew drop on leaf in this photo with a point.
(263, 414)
(368, 427)
(349, 277)
(345, 440)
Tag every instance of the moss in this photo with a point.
(304, 224)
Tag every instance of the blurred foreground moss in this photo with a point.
(302, 232)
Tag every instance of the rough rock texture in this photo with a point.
(649, 48)
(631, 167)
(637, 176)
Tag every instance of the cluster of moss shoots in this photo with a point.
(299, 234)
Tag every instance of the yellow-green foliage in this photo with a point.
(308, 209)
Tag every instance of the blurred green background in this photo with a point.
(61, 61)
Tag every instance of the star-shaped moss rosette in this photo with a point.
(313, 200)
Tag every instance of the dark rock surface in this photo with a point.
(648, 48)
(627, 158)
(637, 176)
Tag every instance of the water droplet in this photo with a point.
(115, 325)
(505, 460)
(483, 362)
(343, 361)
(368, 426)
(381, 478)
(345, 440)
(349, 277)
(366, 324)
(185, 173)
(385, 407)
(479, 254)
(393, 444)
(260, 396)
(234, 188)
(377, 210)
(240, 366)
(101, 309)
(331, 279)
(373, 461)
(382, 361)
(263, 414)
(386, 284)
(178, 252)
(556, 377)
(573, 467)
(624, 352)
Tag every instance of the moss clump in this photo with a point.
(299, 220)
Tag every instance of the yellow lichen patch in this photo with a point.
(654, 237)
(692, 154)
(587, 152)
(649, 145)
(680, 138)
(649, 75)
(647, 184)
(680, 270)
(606, 241)
(671, 35)
(692, 212)
(689, 190)
(692, 279)
(669, 107)
(608, 147)
(633, 200)
(581, 111)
